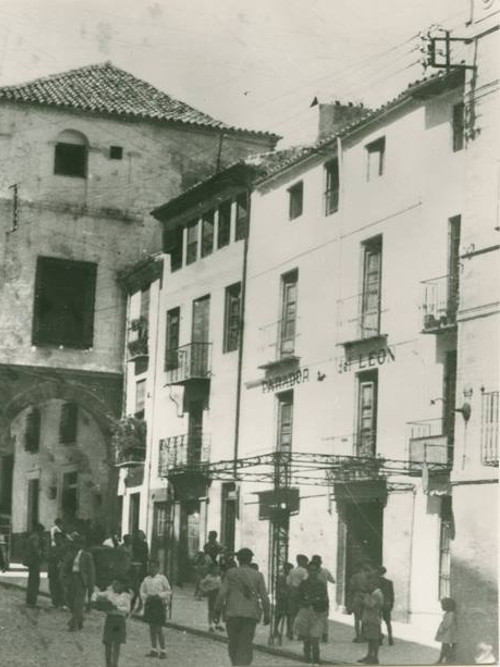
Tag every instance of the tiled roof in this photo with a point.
(105, 88)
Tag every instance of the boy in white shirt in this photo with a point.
(115, 602)
(155, 593)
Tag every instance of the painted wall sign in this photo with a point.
(366, 360)
(285, 381)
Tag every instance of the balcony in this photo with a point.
(428, 442)
(440, 304)
(129, 441)
(359, 320)
(189, 362)
(138, 341)
(131, 457)
(489, 427)
(183, 454)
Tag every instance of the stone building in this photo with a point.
(84, 155)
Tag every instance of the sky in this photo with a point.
(255, 64)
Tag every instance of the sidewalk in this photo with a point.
(191, 615)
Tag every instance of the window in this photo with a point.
(224, 229)
(145, 298)
(332, 186)
(232, 318)
(375, 152)
(68, 425)
(32, 431)
(33, 504)
(70, 158)
(172, 339)
(140, 398)
(458, 126)
(366, 440)
(6, 483)
(192, 242)
(288, 313)
(296, 200)
(285, 421)
(207, 233)
(372, 282)
(489, 427)
(445, 537)
(454, 233)
(173, 244)
(64, 303)
(242, 215)
(134, 512)
(116, 152)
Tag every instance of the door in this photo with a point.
(189, 538)
(366, 444)
(364, 535)
(372, 274)
(134, 512)
(6, 477)
(160, 534)
(228, 519)
(288, 314)
(33, 516)
(449, 395)
(453, 268)
(200, 337)
(195, 432)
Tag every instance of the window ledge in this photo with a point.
(366, 339)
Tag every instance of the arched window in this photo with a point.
(70, 158)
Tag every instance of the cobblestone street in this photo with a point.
(38, 638)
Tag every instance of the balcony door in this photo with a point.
(288, 313)
(449, 396)
(195, 432)
(172, 339)
(453, 267)
(367, 414)
(285, 421)
(371, 296)
(200, 336)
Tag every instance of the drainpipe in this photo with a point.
(240, 348)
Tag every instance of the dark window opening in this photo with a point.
(144, 308)
(207, 233)
(376, 157)
(285, 421)
(232, 317)
(70, 160)
(366, 436)
(242, 216)
(69, 500)
(134, 512)
(33, 505)
(192, 242)
(116, 152)
(64, 303)
(372, 287)
(32, 430)
(172, 339)
(68, 426)
(140, 398)
(224, 229)
(458, 126)
(332, 187)
(173, 244)
(296, 200)
(6, 483)
(445, 538)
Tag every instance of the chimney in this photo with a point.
(334, 116)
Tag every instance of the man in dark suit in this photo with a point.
(33, 558)
(387, 588)
(80, 573)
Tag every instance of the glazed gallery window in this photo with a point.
(68, 425)
(232, 317)
(71, 153)
(192, 242)
(332, 186)
(64, 303)
(242, 215)
(375, 159)
(296, 200)
(140, 398)
(224, 228)
(207, 233)
(285, 421)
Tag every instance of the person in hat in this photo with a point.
(242, 593)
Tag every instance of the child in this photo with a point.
(210, 586)
(447, 632)
(155, 592)
(312, 601)
(115, 601)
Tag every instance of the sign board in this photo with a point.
(271, 502)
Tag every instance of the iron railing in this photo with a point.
(489, 428)
(183, 452)
(428, 442)
(440, 303)
(189, 362)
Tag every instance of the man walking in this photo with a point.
(81, 578)
(294, 578)
(387, 588)
(357, 589)
(33, 558)
(242, 593)
(326, 577)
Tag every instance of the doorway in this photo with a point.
(364, 535)
(189, 538)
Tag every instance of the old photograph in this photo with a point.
(249, 332)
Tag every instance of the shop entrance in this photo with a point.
(189, 538)
(364, 535)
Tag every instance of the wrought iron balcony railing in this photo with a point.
(189, 362)
(183, 453)
(489, 428)
(132, 456)
(428, 442)
(440, 304)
